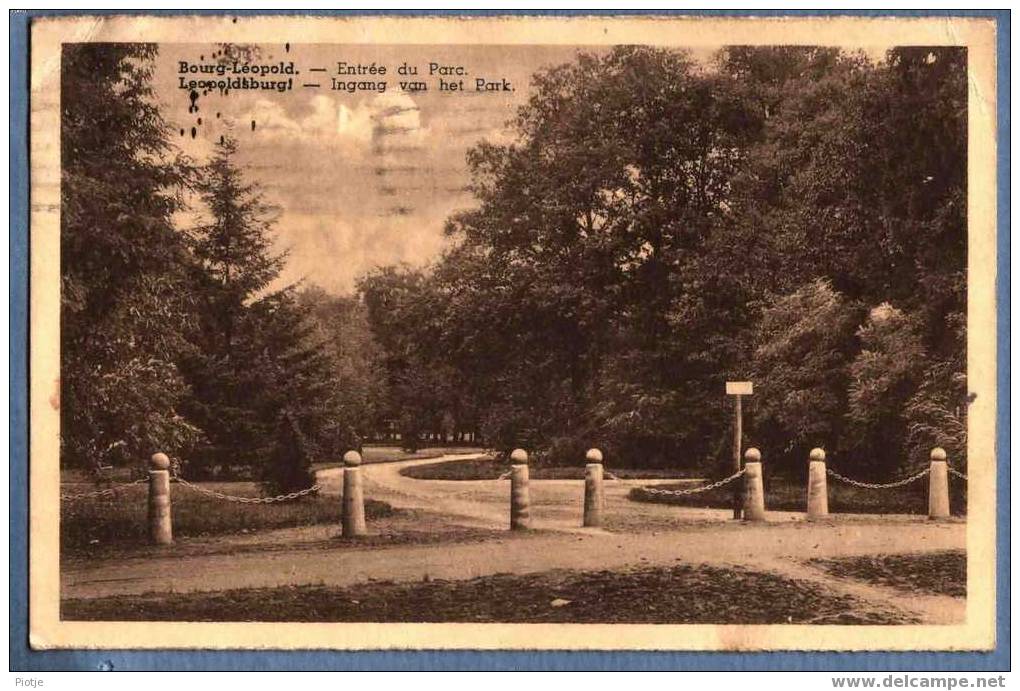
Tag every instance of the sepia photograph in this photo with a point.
(592, 333)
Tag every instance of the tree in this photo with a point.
(402, 308)
(257, 357)
(860, 180)
(125, 295)
(884, 374)
(658, 226)
(936, 413)
(803, 346)
(586, 253)
(362, 398)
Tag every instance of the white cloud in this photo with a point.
(328, 123)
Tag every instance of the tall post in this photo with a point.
(520, 500)
(738, 389)
(738, 436)
(160, 521)
(352, 510)
(594, 498)
(938, 485)
(817, 488)
(754, 491)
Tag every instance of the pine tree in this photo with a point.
(255, 360)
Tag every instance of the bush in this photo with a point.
(290, 467)
(564, 450)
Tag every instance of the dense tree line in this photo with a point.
(794, 216)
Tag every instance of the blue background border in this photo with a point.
(24, 659)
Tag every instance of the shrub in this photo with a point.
(290, 467)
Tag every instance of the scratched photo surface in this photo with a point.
(650, 335)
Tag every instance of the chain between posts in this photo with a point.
(105, 492)
(248, 500)
(110, 491)
(696, 490)
(956, 472)
(878, 485)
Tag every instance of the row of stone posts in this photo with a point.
(753, 495)
(520, 497)
(352, 519)
(938, 485)
(352, 508)
(594, 496)
(818, 491)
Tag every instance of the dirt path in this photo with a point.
(651, 535)
(931, 609)
(555, 504)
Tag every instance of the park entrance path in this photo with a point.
(555, 504)
(651, 535)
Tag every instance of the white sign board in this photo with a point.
(739, 388)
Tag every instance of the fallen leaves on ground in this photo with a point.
(682, 594)
(932, 573)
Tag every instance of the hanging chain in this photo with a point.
(249, 500)
(106, 492)
(695, 490)
(956, 472)
(110, 491)
(878, 485)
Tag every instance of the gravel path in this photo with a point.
(637, 535)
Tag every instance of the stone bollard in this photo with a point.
(817, 488)
(520, 500)
(160, 522)
(352, 513)
(754, 491)
(594, 498)
(938, 485)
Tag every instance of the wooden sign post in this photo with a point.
(738, 389)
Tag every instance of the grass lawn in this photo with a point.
(786, 495)
(940, 573)
(121, 519)
(674, 595)
(371, 454)
(491, 469)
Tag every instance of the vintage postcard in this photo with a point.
(562, 333)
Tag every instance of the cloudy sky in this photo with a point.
(361, 179)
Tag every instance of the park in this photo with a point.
(682, 342)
